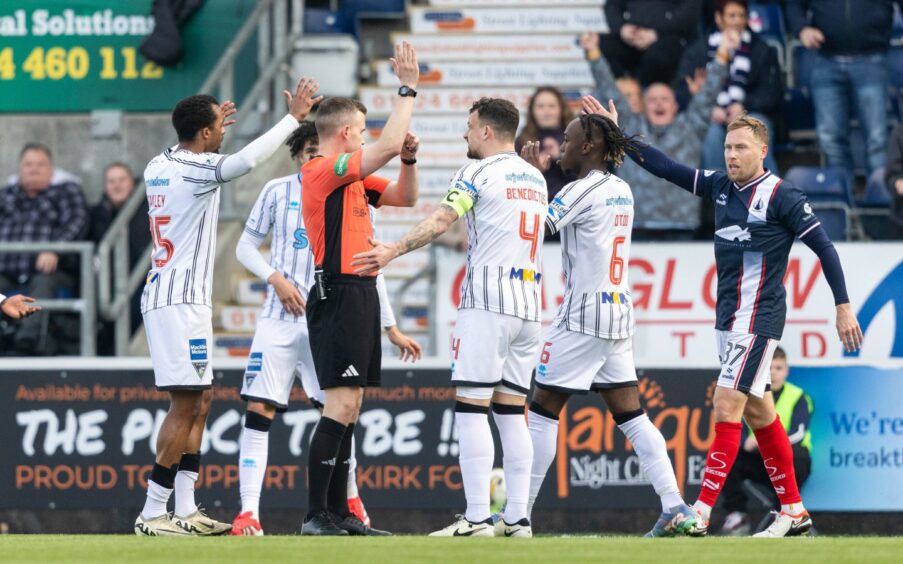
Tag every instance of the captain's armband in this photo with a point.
(460, 197)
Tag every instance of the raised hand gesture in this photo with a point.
(405, 65)
(593, 106)
(304, 98)
(532, 153)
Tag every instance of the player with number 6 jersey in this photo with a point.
(503, 201)
(590, 346)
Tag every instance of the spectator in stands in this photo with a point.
(35, 209)
(662, 212)
(118, 187)
(18, 306)
(894, 179)
(547, 116)
(849, 75)
(632, 91)
(647, 37)
(753, 85)
(794, 407)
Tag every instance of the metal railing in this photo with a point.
(84, 305)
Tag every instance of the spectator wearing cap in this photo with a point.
(849, 75)
(37, 209)
(647, 37)
(118, 187)
(753, 85)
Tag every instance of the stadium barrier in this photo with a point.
(79, 434)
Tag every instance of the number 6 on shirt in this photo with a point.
(616, 267)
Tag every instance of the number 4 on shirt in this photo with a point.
(531, 236)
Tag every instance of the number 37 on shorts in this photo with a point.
(745, 361)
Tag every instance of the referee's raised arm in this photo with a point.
(389, 144)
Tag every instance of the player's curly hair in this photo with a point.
(193, 114)
(306, 132)
(603, 132)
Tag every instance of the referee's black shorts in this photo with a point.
(344, 332)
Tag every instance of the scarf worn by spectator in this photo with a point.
(735, 85)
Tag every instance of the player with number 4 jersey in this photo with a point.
(590, 345)
(503, 201)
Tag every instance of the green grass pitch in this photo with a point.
(263, 550)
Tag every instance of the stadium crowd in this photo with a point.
(678, 71)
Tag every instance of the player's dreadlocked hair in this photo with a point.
(306, 132)
(598, 128)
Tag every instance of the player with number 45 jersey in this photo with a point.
(590, 345)
(503, 201)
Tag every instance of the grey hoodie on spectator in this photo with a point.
(656, 204)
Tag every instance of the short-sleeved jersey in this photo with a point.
(595, 218)
(183, 206)
(755, 226)
(335, 202)
(278, 210)
(504, 235)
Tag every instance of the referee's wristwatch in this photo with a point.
(407, 91)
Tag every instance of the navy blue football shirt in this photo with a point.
(755, 226)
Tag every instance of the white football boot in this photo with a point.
(161, 526)
(786, 525)
(464, 528)
(521, 529)
(199, 524)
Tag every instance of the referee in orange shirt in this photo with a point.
(343, 308)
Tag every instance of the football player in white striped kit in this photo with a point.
(496, 339)
(281, 349)
(590, 345)
(183, 186)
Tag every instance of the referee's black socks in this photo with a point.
(324, 450)
(337, 498)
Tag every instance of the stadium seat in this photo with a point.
(822, 185)
(377, 8)
(872, 209)
(835, 222)
(329, 21)
(799, 115)
(768, 21)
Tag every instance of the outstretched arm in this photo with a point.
(424, 233)
(847, 325)
(262, 148)
(404, 192)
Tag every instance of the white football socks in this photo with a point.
(185, 504)
(544, 435)
(517, 449)
(157, 498)
(252, 467)
(476, 455)
(352, 472)
(650, 447)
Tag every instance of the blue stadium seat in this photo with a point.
(329, 21)
(876, 195)
(768, 21)
(377, 8)
(799, 115)
(823, 185)
(834, 222)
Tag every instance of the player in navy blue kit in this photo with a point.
(757, 218)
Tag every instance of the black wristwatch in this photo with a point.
(406, 91)
(409, 161)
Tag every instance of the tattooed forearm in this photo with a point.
(427, 230)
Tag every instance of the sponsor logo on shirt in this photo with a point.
(615, 298)
(255, 362)
(152, 182)
(708, 173)
(301, 240)
(734, 233)
(197, 349)
(526, 274)
(722, 200)
(294, 205)
(557, 208)
(619, 201)
(341, 165)
(526, 177)
(466, 187)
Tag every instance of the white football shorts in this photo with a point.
(575, 363)
(280, 352)
(180, 338)
(745, 361)
(493, 352)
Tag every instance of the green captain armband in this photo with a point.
(460, 197)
